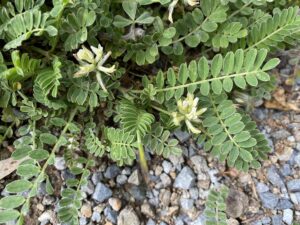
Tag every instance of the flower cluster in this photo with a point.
(92, 61)
(187, 111)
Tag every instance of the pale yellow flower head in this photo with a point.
(92, 61)
(188, 111)
(191, 2)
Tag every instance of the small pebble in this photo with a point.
(60, 163)
(167, 166)
(102, 193)
(115, 203)
(185, 179)
(121, 179)
(86, 211)
(134, 178)
(288, 216)
(96, 217)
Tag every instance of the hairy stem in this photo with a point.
(142, 158)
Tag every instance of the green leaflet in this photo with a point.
(22, 26)
(241, 68)
(8, 215)
(11, 202)
(93, 144)
(159, 141)
(121, 148)
(215, 207)
(230, 135)
(278, 30)
(133, 119)
(153, 55)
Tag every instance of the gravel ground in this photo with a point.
(179, 186)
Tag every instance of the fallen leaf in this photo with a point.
(7, 166)
(279, 101)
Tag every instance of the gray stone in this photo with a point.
(297, 160)
(259, 113)
(192, 151)
(274, 177)
(178, 221)
(83, 221)
(257, 223)
(121, 179)
(42, 189)
(134, 178)
(126, 171)
(137, 192)
(266, 220)
(111, 215)
(46, 217)
(261, 187)
(165, 179)
(182, 136)
(150, 222)
(185, 179)
(112, 171)
(284, 204)
(128, 217)
(237, 202)
(199, 163)
(96, 177)
(88, 188)
(102, 193)
(294, 198)
(167, 166)
(194, 193)
(280, 134)
(298, 197)
(269, 200)
(277, 220)
(213, 175)
(186, 204)
(162, 223)
(96, 217)
(48, 200)
(66, 174)
(177, 161)
(60, 163)
(288, 216)
(294, 185)
(199, 221)
(286, 170)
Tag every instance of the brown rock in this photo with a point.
(115, 203)
(147, 210)
(237, 202)
(86, 210)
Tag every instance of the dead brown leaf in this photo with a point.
(7, 166)
(280, 101)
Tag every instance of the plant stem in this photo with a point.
(161, 110)
(50, 158)
(142, 159)
(100, 81)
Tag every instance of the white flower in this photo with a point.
(187, 111)
(92, 61)
(98, 52)
(171, 9)
(85, 56)
(191, 2)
